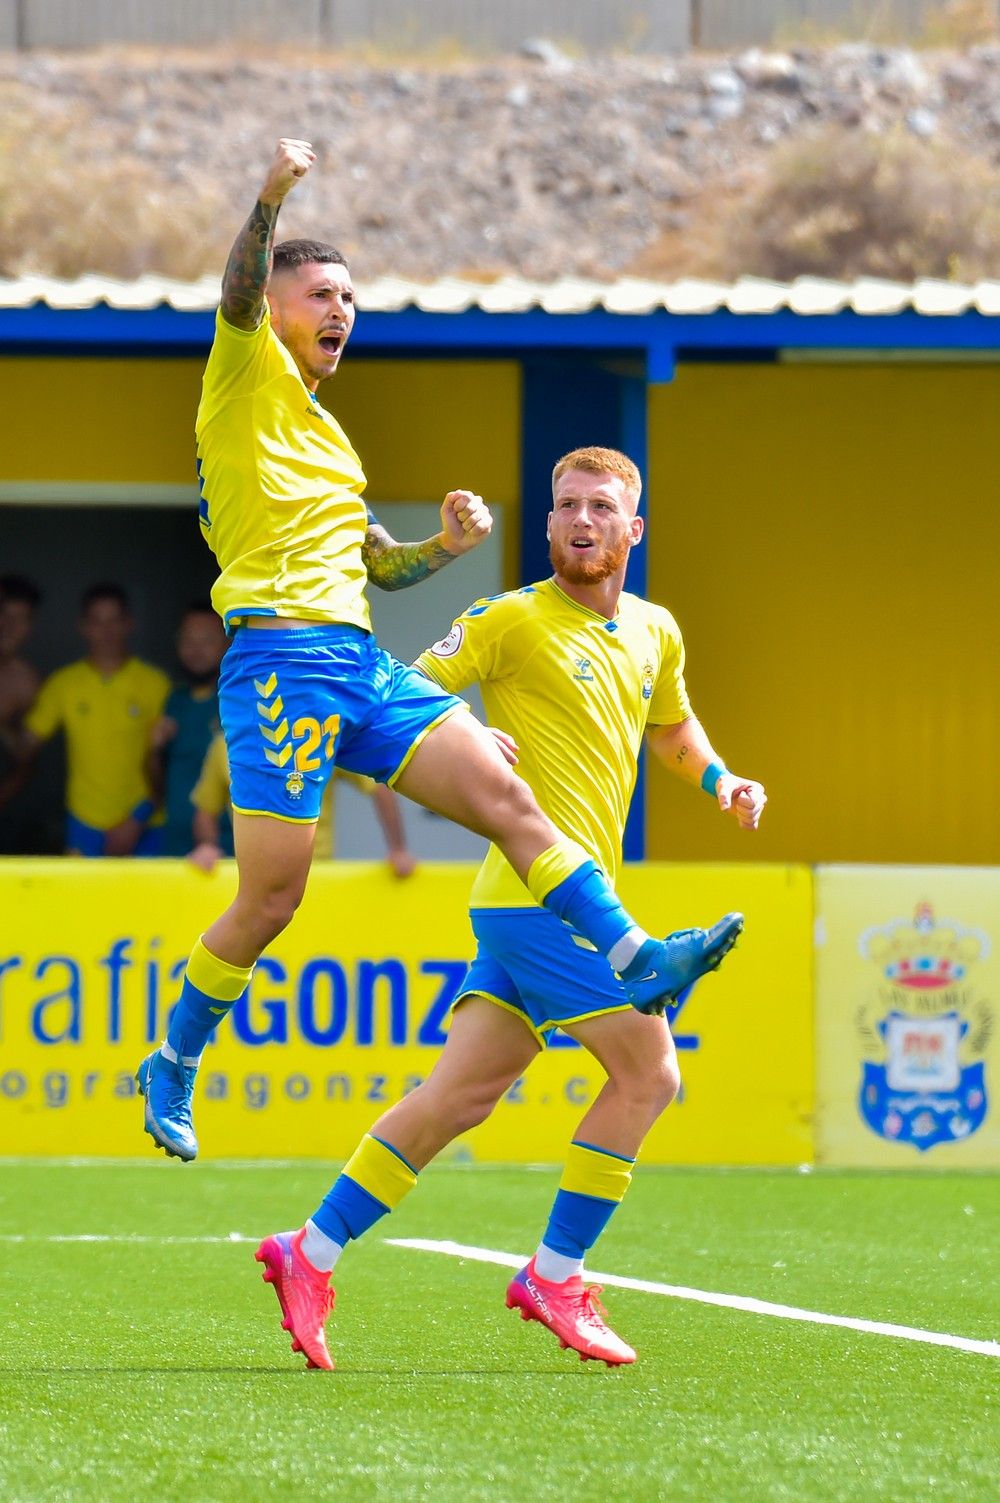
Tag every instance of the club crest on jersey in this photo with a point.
(924, 1081)
(648, 680)
(294, 784)
(449, 645)
(583, 670)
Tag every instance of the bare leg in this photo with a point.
(272, 856)
(643, 1078)
(486, 1050)
(458, 771)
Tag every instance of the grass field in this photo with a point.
(157, 1368)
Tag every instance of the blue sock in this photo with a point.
(587, 900)
(592, 1187)
(374, 1181)
(194, 1020)
(348, 1212)
(576, 1222)
(211, 989)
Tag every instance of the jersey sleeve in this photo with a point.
(241, 360)
(669, 704)
(471, 652)
(46, 714)
(211, 792)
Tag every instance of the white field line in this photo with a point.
(125, 1237)
(704, 1297)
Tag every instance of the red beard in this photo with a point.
(590, 567)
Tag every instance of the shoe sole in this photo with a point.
(272, 1277)
(712, 961)
(513, 1303)
(152, 1127)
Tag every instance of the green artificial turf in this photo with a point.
(157, 1369)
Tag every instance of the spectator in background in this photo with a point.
(19, 681)
(182, 736)
(106, 705)
(211, 803)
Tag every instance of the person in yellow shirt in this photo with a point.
(305, 686)
(210, 797)
(577, 672)
(106, 705)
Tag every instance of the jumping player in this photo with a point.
(577, 672)
(304, 684)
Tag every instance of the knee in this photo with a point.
(668, 1081)
(272, 913)
(654, 1085)
(470, 1107)
(513, 803)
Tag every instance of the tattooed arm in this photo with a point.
(686, 750)
(465, 522)
(249, 264)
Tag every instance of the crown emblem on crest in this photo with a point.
(923, 954)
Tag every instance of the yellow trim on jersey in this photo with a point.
(281, 487)
(577, 693)
(287, 819)
(476, 991)
(445, 715)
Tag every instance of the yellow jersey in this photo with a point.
(107, 723)
(211, 794)
(576, 692)
(281, 487)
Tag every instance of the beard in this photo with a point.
(591, 567)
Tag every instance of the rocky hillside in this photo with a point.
(539, 165)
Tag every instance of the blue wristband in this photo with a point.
(713, 772)
(143, 812)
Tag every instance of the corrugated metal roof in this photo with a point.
(629, 295)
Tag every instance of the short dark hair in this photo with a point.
(198, 608)
(104, 591)
(19, 587)
(291, 254)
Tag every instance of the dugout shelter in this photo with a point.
(820, 484)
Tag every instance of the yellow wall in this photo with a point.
(827, 538)
(422, 427)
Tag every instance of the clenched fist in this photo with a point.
(465, 521)
(292, 160)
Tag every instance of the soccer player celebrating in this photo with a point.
(304, 684)
(576, 672)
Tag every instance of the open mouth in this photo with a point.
(580, 545)
(331, 344)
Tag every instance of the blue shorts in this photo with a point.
(89, 841)
(296, 702)
(529, 962)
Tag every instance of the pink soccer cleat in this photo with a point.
(572, 1312)
(304, 1294)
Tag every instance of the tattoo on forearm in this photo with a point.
(394, 566)
(682, 753)
(248, 268)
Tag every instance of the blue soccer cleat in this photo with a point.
(664, 967)
(167, 1089)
